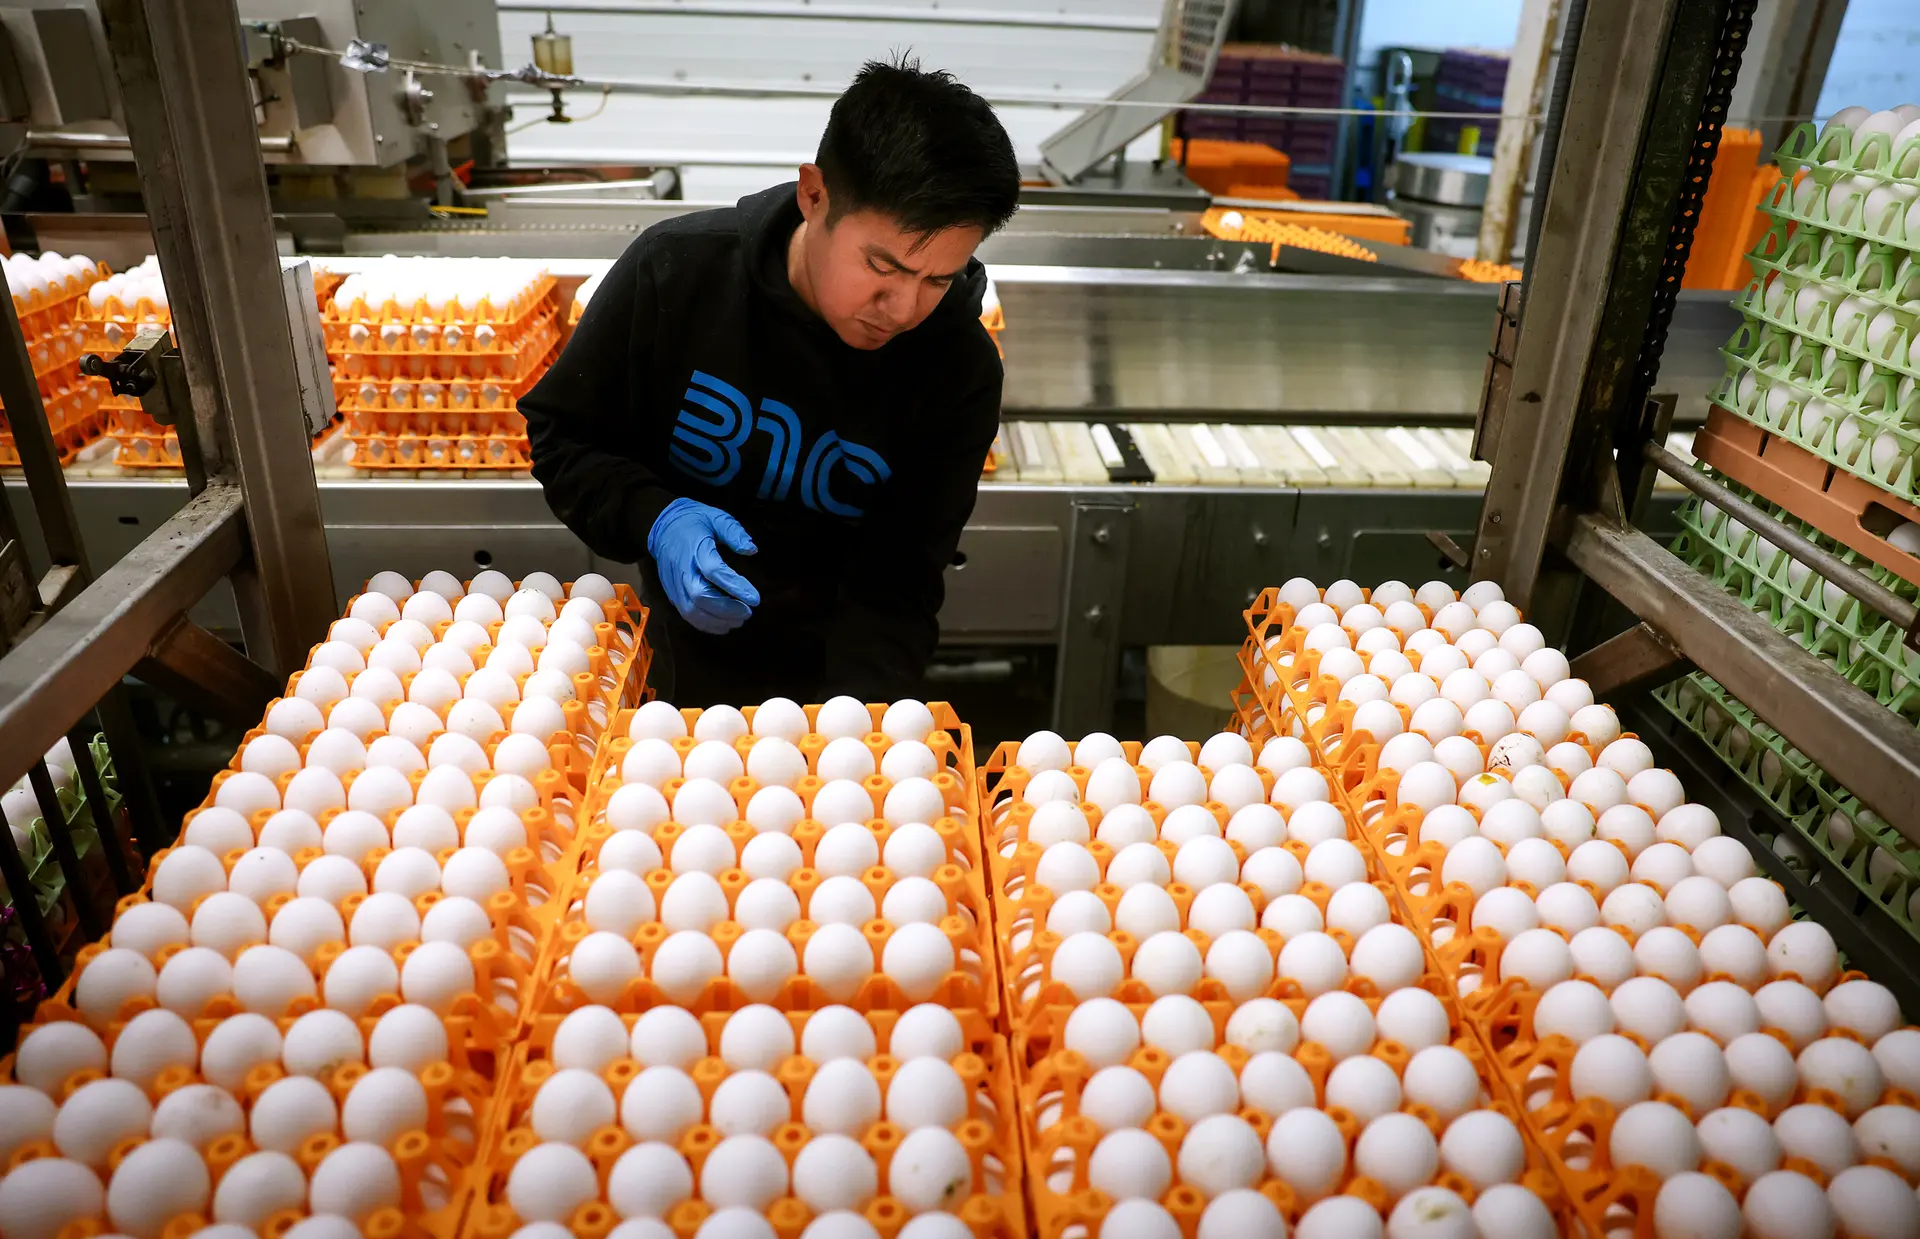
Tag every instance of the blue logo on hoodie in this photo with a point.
(717, 420)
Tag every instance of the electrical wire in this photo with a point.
(606, 93)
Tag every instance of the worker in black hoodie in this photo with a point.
(779, 410)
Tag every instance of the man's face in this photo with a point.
(869, 279)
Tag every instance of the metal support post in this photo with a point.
(1626, 52)
(151, 830)
(106, 823)
(190, 118)
(1866, 747)
(1088, 674)
(46, 955)
(40, 461)
(60, 836)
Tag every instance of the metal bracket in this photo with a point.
(414, 98)
(1452, 551)
(1088, 672)
(1494, 393)
(136, 368)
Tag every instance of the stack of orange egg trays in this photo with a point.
(110, 326)
(1651, 1059)
(49, 324)
(299, 1024)
(106, 329)
(1153, 1068)
(424, 394)
(751, 1021)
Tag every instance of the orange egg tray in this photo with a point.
(1273, 226)
(534, 298)
(569, 752)
(73, 411)
(112, 326)
(624, 612)
(1529, 1075)
(432, 398)
(990, 1131)
(970, 984)
(995, 321)
(951, 742)
(436, 1170)
(1576, 1132)
(979, 1033)
(590, 689)
(398, 354)
(503, 963)
(43, 313)
(379, 453)
(1059, 1154)
(53, 352)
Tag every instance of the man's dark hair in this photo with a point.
(920, 148)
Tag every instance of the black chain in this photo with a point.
(1735, 25)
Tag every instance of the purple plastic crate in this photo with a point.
(1205, 125)
(1296, 98)
(1311, 186)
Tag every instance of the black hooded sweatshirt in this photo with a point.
(697, 371)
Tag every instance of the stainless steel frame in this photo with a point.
(1621, 163)
(254, 521)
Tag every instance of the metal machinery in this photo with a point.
(1121, 316)
(249, 522)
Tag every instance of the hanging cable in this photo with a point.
(606, 93)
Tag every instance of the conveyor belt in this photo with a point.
(1203, 454)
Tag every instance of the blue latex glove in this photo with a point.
(685, 543)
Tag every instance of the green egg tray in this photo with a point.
(1836, 157)
(43, 868)
(1876, 385)
(1860, 643)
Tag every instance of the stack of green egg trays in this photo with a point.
(1858, 642)
(1829, 351)
(43, 870)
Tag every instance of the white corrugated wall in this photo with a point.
(1073, 50)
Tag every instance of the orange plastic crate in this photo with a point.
(379, 452)
(398, 353)
(1058, 1156)
(996, 1206)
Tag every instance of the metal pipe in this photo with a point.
(1826, 563)
(40, 139)
(923, 14)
